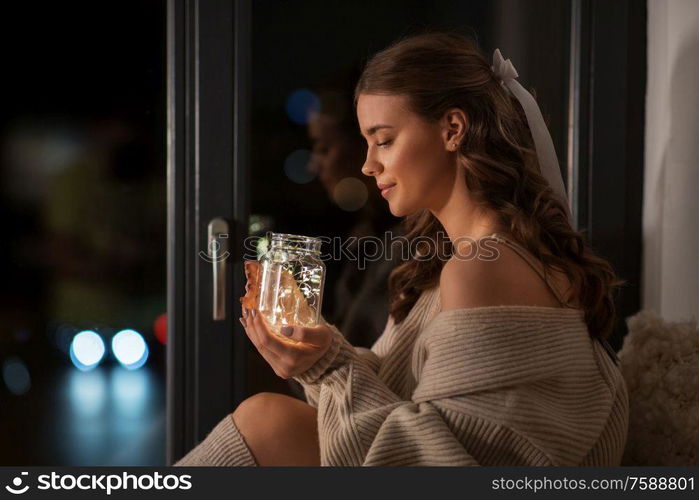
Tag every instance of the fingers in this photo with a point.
(278, 365)
(285, 350)
(252, 331)
(318, 336)
(288, 356)
(249, 331)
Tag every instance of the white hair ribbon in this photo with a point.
(546, 153)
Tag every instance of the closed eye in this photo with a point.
(385, 143)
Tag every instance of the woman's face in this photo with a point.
(405, 152)
(335, 154)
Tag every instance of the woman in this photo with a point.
(494, 360)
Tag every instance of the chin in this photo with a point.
(398, 210)
(394, 212)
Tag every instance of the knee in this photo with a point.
(271, 410)
(255, 407)
(279, 429)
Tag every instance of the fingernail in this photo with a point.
(254, 313)
(245, 312)
(241, 321)
(287, 330)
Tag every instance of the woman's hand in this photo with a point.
(291, 354)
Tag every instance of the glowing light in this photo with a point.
(87, 350)
(296, 167)
(87, 393)
(130, 349)
(16, 376)
(300, 104)
(262, 246)
(350, 194)
(160, 328)
(131, 391)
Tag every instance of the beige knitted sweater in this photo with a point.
(501, 385)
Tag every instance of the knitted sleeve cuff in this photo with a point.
(223, 446)
(340, 353)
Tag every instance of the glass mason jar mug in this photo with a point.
(292, 277)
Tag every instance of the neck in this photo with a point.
(461, 217)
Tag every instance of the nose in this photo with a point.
(371, 167)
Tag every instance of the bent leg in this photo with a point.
(279, 430)
(224, 446)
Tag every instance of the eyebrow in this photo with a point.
(372, 130)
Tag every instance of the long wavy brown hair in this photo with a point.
(439, 71)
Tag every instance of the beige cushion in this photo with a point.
(660, 363)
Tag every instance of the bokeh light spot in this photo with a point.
(16, 376)
(130, 349)
(350, 194)
(296, 167)
(87, 350)
(300, 104)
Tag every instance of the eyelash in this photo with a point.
(385, 143)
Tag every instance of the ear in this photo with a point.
(454, 124)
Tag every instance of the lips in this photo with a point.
(385, 188)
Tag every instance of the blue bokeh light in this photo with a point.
(16, 376)
(130, 349)
(87, 392)
(87, 350)
(296, 167)
(300, 104)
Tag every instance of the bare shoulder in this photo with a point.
(504, 280)
(469, 283)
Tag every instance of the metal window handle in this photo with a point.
(218, 254)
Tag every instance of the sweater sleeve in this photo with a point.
(362, 422)
(312, 391)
